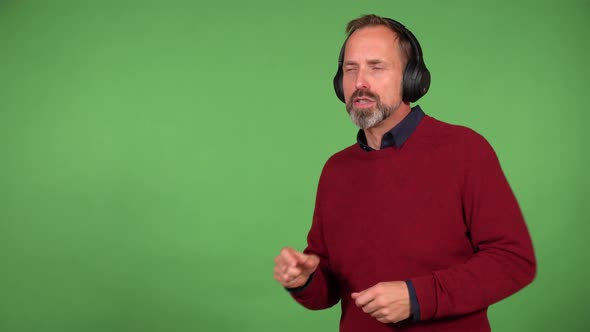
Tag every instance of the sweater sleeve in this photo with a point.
(322, 290)
(503, 261)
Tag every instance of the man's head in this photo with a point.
(375, 56)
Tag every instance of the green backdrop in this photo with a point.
(156, 155)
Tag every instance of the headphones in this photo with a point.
(416, 79)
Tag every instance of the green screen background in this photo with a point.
(156, 155)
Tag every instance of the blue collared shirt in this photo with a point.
(397, 135)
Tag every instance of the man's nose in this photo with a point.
(361, 81)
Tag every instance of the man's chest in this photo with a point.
(393, 226)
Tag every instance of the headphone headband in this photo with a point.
(410, 37)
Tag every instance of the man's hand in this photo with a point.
(293, 268)
(388, 302)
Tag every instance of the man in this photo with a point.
(415, 227)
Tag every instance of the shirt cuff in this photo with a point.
(300, 288)
(414, 304)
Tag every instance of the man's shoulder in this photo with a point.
(344, 155)
(465, 142)
(340, 164)
(446, 128)
(442, 131)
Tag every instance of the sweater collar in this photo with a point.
(397, 135)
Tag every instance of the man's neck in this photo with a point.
(375, 133)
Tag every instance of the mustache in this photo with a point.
(364, 93)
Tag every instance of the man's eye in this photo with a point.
(348, 70)
(377, 68)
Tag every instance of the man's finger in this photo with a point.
(371, 308)
(293, 272)
(289, 256)
(287, 279)
(280, 264)
(365, 297)
(301, 257)
(279, 277)
(308, 262)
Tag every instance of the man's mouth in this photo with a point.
(362, 102)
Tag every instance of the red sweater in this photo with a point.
(438, 211)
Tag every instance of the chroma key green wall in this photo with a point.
(156, 155)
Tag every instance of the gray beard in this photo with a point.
(369, 117)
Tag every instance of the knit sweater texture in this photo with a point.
(437, 211)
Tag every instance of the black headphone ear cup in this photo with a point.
(409, 83)
(424, 82)
(416, 81)
(338, 84)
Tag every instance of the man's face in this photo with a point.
(372, 75)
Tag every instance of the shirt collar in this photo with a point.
(397, 135)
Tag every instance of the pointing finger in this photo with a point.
(288, 256)
(300, 257)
